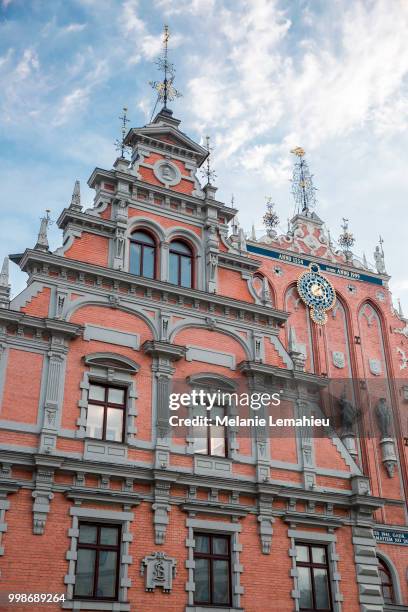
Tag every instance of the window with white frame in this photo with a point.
(106, 413)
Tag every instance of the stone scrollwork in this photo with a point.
(159, 571)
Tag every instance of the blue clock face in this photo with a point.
(317, 293)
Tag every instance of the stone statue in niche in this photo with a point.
(159, 571)
(348, 414)
(383, 415)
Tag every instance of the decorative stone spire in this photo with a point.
(76, 197)
(4, 284)
(42, 240)
(241, 240)
(400, 311)
(253, 233)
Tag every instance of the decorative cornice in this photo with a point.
(146, 136)
(85, 220)
(317, 519)
(238, 262)
(218, 509)
(255, 367)
(103, 496)
(270, 319)
(174, 352)
(53, 326)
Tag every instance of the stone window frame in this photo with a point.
(116, 370)
(124, 520)
(329, 540)
(222, 528)
(213, 382)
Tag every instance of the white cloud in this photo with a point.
(28, 63)
(74, 27)
(71, 104)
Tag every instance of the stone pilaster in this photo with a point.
(163, 355)
(54, 385)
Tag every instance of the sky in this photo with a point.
(260, 77)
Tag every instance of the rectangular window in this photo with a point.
(106, 413)
(212, 573)
(97, 566)
(211, 439)
(313, 577)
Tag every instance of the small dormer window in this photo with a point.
(142, 258)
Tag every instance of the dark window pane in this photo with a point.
(302, 553)
(202, 544)
(321, 589)
(96, 392)
(202, 580)
(135, 258)
(114, 424)
(143, 237)
(173, 275)
(318, 555)
(85, 567)
(106, 584)
(148, 262)
(94, 421)
(87, 534)
(109, 535)
(185, 280)
(220, 546)
(116, 396)
(305, 587)
(220, 581)
(180, 247)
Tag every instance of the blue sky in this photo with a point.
(259, 76)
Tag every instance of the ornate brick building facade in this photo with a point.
(103, 502)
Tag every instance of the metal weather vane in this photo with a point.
(303, 189)
(270, 218)
(165, 88)
(120, 142)
(346, 239)
(207, 172)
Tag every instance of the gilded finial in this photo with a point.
(303, 189)
(165, 88)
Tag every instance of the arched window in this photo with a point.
(386, 582)
(142, 258)
(181, 264)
